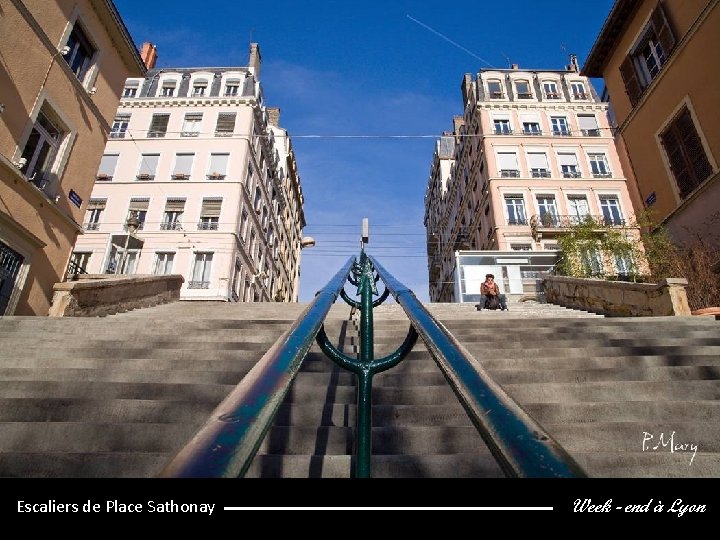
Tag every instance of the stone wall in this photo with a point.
(619, 298)
(96, 295)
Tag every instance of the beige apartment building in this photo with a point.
(209, 181)
(63, 67)
(531, 155)
(660, 64)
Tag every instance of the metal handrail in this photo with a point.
(226, 445)
(521, 447)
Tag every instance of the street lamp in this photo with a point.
(132, 224)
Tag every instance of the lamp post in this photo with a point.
(132, 225)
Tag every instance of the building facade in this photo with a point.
(63, 68)
(659, 62)
(203, 165)
(531, 155)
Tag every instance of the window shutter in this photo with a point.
(694, 149)
(537, 160)
(507, 161)
(211, 208)
(159, 123)
(225, 123)
(96, 204)
(139, 205)
(663, 31)
(175, 205)
(629, 77)
(567, 159)
(587, 122)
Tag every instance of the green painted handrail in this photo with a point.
(226, 445)
(521, 447)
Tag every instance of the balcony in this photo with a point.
(207, 226)
(198, 285)
(180, 176)
(215, 176)
(552, 95)
(145, 176)
(117, 134)
(580, 96)
(496, 95)
(509, 173)
(189, 133)
(533, 132)
(524, 95)
(552, 224)
(602, 175)
(590, 132)
(223, 133)
(572, 174)
(503, 131)
(540, 173)
(562, 132)
(91, 226)
(102, 177)
(171, 226)
(155, 134)
(517, 221)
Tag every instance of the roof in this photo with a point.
(617, 21)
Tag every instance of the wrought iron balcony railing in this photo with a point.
(509, 173)
(198, 284)
(171, 226)
(551, 221)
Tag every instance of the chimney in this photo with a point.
(458, 122)
(255, 59)
(514, 66)
(274, 116)
(149, 55)
(574, 64)
(466, 87)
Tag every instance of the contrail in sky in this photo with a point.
(450, 40)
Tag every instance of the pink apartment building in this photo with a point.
(531, 155)
(200, 163)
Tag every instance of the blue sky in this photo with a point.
(372, 70)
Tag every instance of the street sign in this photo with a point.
(75, 198)
(650, 200)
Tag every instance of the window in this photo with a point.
(108, 163)
(531, 128)
(548, 210)
(218, 166)
(568, 165)
(80, 52)
(41, 148)
(139, 208)
(94, 212)
(163, 262)
(257, 200)
(495, 89)
(624, 264)
(599, 166)
(183, 166)
(685, 152)
(502, 126)
(578, 90)
(591, 262)
(172, 218)
(243, 225)
(232, 87)
(225, 125)
(191, 125)
(158, 125)
(119, 127)
(210, 214)
(648, 55)
(551, 90)
(78, 262)
(610, 207)
(523, 89)
(201, 271)
(148, 165)
(538, 165)
(515, 205)
(507, 164)
(588, 125)
(199, 87)
(131, 89)
(578, 209)
(168, 88)
(559, 125)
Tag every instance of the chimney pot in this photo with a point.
(149, 55)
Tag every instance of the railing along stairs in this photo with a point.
(226, 445)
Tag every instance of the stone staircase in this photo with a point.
(119, 396)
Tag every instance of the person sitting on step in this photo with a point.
(490, 296)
